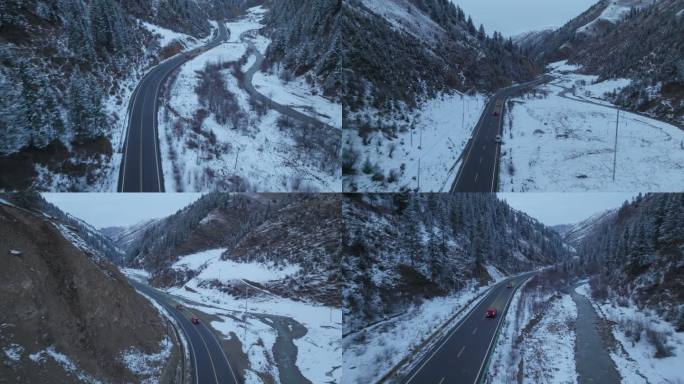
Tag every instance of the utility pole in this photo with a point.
(419, 174)
(617, 125)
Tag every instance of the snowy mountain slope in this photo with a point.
(636, 40)
(404, 52)
(68, 315)
(123, 237)
(575, 233)
(68, 69)
(86, 237)
(313, 27)
(636, 254)
(416, 78)
(270, 229)
(614, 12)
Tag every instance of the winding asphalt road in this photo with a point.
(479, 170)
(141, 168)
(209, 362)
(288, 111)
(460, 357)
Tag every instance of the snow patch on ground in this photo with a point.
(300, 96)
(148, 366)
(140, 275)
(257, 339)
(549, 350)
(430, 147)
(251, 21)
(614, 12)
(212, 267)
(494, 273)
(65, 362)
(562, 137)
(167, 36)
(372, 352)
(636, 361)
(13, 352)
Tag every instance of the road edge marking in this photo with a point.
(499, 131)
(498, 328)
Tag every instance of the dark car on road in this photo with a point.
(195, 320)
(490, 313)
(509, 285)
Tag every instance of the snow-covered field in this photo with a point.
(300, 96)
(319, 356)
(441, 129)
(561, 138)
(213, 268)
(549, 350)
(635, 360)
(167, 36)
(256, 155)
(369, 354)
(614, 12)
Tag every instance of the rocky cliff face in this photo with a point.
(60, 304)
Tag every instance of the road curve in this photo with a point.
(209, 363)
(461, 355)
(290, 112)
(479, 170)
(141, 169)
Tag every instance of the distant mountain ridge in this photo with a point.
(573, 234)
(633, 39)
(400, 52)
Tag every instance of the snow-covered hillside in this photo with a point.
(613, 13)
(425, 154)
(561, 137)
(576, 232)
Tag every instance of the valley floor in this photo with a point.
(542, 340)
(281, 340)
(255, 149)
(561, 137)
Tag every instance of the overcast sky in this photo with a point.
(564, 208)
(120, 209)
(512, 17)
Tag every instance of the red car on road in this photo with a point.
(195, 320)
(490, 313)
